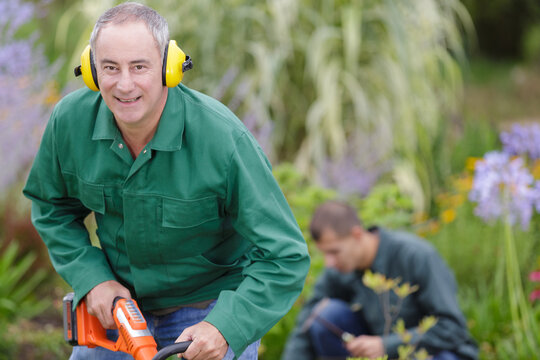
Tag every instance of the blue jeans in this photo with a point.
(328, 345)
(165, 330)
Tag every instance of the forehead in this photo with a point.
(127, 38)
(328, 239)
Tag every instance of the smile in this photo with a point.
(127, 101)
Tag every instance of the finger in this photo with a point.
(193, 353)
(184, 336)
(106, 319)
(355, 348)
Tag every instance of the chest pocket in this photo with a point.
(184, 214)
(189, 227)
(91, 195)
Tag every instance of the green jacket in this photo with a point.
(196, 216)
(406, 257)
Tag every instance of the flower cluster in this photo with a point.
(23, 91)
(522, 140)
(358, 169)
(503, 188)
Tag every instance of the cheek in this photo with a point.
(106, 84)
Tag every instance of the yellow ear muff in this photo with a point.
(87, 69)
(175, 63)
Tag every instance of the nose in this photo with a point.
(125, 83)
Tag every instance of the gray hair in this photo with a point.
(133, 12)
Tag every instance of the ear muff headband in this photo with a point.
(175, 63)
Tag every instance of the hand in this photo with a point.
(208, 343)
(366, 346)
(100, 299)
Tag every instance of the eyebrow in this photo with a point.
(138, 61)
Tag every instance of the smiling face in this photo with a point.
(129, 68)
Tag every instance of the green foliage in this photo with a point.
(386, 205)
(17, 284)
(475, 139)
(26, 340)
(531, 43)
(472, 248)
(303, 197)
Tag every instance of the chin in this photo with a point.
(127, 117)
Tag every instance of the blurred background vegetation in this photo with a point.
(380, 102)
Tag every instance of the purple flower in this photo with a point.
(503, 189)
(24, 77)
(357, 171)
(522, 140)
(14, 14)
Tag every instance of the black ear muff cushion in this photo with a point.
(93, 69)
(164, 67)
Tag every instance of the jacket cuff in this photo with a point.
(230, 331)
(82, 286)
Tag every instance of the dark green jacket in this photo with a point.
(196, 216)
(413, 260)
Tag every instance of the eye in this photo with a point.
(110, 67)
(139, 67)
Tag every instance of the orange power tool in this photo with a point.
(81, 328)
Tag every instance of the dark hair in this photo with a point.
(335, 215)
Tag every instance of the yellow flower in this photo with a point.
(405, 290)
(464, 183)
(448, 215)
(427, 323)
(470, 163)
(535, 169)
(378, 282)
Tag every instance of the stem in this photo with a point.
(499, 270)
(520, 312)
(385, 299)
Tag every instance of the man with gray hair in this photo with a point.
(190, 221)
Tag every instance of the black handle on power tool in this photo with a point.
(176, 348)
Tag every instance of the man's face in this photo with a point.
(129, 68)
(341, 253)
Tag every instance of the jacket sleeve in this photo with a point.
(279, 258)
(59, 219)
(437, 297)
